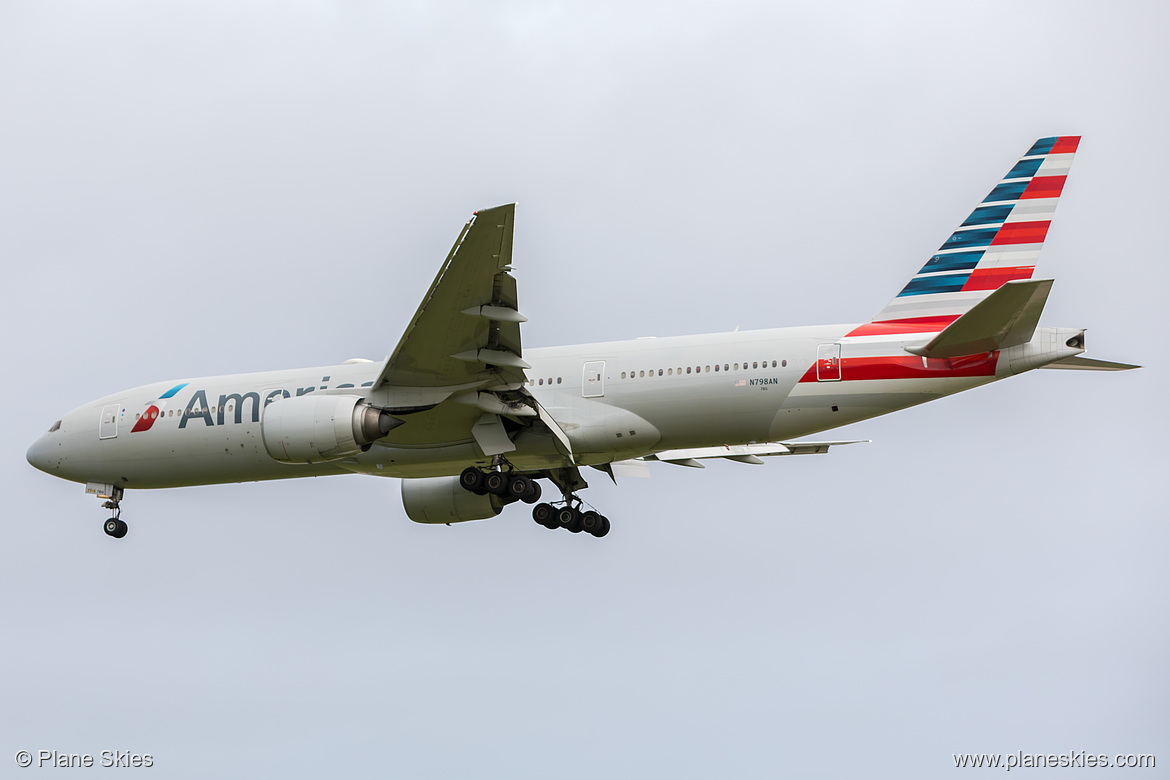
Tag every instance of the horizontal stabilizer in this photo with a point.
(1078, 363)
(1003, 319)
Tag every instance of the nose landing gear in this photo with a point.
(115, 526)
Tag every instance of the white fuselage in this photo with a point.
(614, 401)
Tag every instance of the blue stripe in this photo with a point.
(172, 391)
(958, 261)
(1025, 169)
(1043, 146)
(961, 239)
(1007, 191)
(988, 215)
(934, 284)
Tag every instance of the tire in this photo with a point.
(533, 492)
(567, 517)
(545, 515)
(604, 528)
(111, 527)
(472, 479)
(519, 486)
(591, 522)
(122, 529)
(496, 482)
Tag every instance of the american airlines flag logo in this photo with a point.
(741, 383)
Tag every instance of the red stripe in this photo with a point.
(1021, 233)
(145, 421)
(858, 369)
(910, 325)
(1044, 187)
(993, 278)
(1066, 144)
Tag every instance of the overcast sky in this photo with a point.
(201, 188)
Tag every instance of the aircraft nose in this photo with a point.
(40, 453)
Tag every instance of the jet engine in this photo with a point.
(444, 500)
(315, 428)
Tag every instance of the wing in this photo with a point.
(467, 328)
(458, 370)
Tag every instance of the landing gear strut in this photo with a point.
(115, 526)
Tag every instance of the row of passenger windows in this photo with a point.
(171, 412)
(757, 364)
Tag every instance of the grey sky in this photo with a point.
(192, 189)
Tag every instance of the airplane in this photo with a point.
(471, 422)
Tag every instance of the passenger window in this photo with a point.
(641, 373)
(688, 369)
(726, 367)
(623, 375)
(716, 368)
(670, 372)
(783, 362)
(773, 364)
(660, 372)
(542, 381)
(708, 369)
(558, 380)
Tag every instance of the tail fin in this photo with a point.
(999, 242)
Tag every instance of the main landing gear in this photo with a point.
(115, 526)
(567, 513)
(571, 517)
(508, 486)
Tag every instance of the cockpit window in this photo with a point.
(56, 426)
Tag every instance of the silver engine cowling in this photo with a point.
(444, 500)
(316, 428)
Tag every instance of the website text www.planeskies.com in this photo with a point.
(1073, 758)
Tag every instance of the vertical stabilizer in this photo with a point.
(999, 242)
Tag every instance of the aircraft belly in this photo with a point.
(820, 406)
(719, 414)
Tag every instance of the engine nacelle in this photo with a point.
(315, 428)
(443, 500)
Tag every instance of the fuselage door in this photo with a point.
(829, 363)
(593, 379)
(108, 424)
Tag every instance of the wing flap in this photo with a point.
(746, 453)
